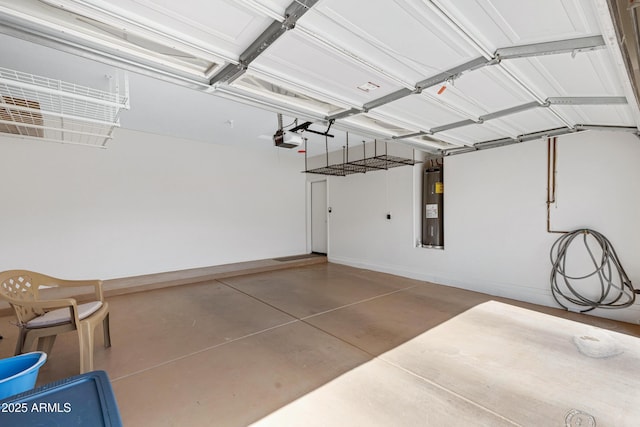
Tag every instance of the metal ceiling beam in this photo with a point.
(583, 100)
(631, 129)
(537, 49)
(393, 96)
(506, 141)
(550, 48)
(454, 72)
(545, 134)
(341, 115)
(431, 81)
(535, 135)
(587, 100)
(230, 72)
(293, 12)
(495, 143)
(547, 48)
(411, 135)
(481, 119)
(423, 146)
(511, 110)
(459, 150)
(449, 126)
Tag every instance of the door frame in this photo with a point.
(309, 209)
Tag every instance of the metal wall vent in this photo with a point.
(12, 118)
(53, 110)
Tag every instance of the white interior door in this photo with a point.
(319, 217)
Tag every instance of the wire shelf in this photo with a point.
(368, 164)
(52, 110)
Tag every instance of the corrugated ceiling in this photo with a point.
(443, 76)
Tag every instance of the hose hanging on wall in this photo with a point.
(611, 294)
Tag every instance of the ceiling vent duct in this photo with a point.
(40, 108)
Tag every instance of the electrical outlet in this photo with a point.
(389, 216)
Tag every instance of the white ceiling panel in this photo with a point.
(100, 29)
(419, 44)
(420, 112)
(608, 115)
(480, 92)
(427, 142)
(472, 134)
(456, 100)
(377, 124)
(224, 26)
(529, 121)
(284, 93)
(490, 89)
(583, 74)
(306, 62)
(501, 23)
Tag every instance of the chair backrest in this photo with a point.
(19, 287)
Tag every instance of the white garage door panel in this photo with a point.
(302, 60)
(530, 121)
(404, 37)
(472, 134)
(503, 23)
(489, 89)
(618, 115)
(586, 74)
(421, 112)
(214, 22)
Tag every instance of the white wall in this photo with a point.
(147, 204)
(495, 215)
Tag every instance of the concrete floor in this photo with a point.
(318, 345)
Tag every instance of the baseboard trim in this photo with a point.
(534, 295)
(148, 282)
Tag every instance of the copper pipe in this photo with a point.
(554, 170)
(552, 161)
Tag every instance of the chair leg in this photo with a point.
(46, 343)
(106, 332)
(85, 336)
(28, 341)
(20, 343)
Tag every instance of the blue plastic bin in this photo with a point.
(83, 400)
(19, 373)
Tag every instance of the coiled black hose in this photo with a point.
(613, 293)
